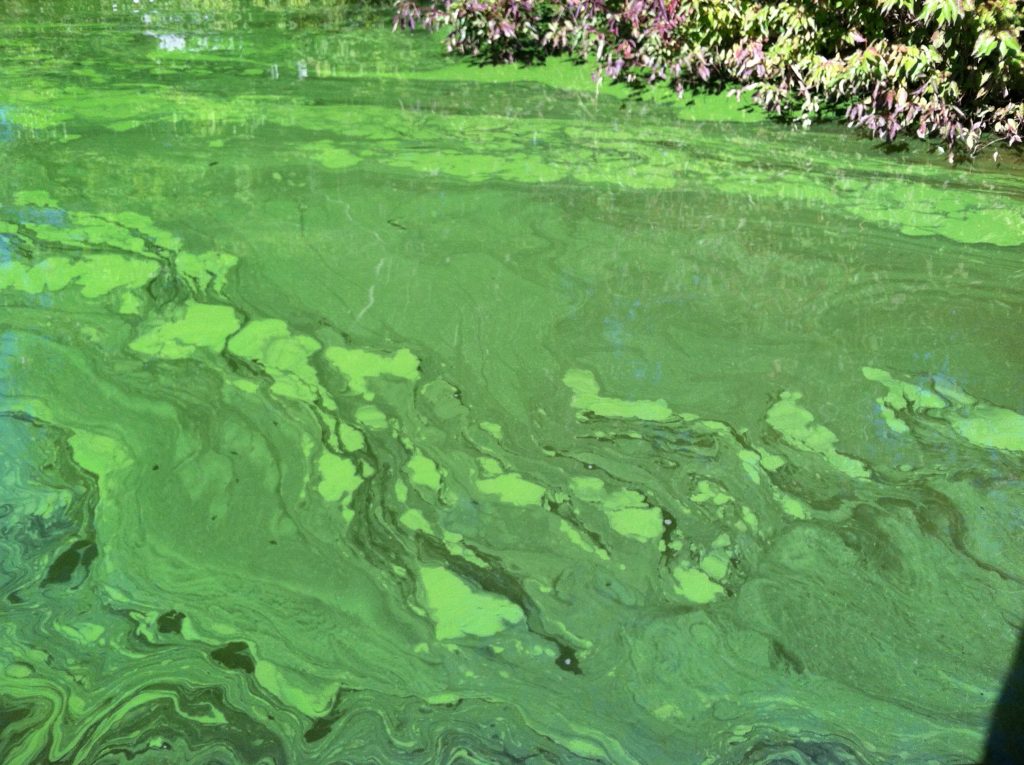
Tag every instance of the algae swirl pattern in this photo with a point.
(227, 538)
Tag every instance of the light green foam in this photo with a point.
(331, 156)
(284, 356)
(423, 471)
(200, 326)
(360, 366)
(207, 270)
(96, 275)
(979, 423)
(512, 489)
(587, 398)
(994, 428)
(628, 511)
(797, 426)
(640, 523)
(459, 611)
(338, 477)
(696, 585)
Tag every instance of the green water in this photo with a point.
(409, 412)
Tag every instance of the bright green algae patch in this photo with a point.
(359, 366)
(423, 471)
(285, 357)
(587, 398)
(512, 489)
(979, 423)
(338, 477)
(994, 427)
(696, 585)
(459, 611)
(346, 417)
(628, 511)
(197, 326)
(95, 275)
(797, 427)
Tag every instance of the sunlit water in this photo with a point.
(362, 406)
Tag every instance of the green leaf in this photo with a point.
(984, 45)
(946, 11)
(1008, 42)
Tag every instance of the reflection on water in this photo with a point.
(360, 405)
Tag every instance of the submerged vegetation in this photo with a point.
(950, 70)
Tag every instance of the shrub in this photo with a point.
(944, 69)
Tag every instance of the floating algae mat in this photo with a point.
(362, 406)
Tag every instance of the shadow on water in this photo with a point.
(1005, 745)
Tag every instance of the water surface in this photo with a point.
(359, 405)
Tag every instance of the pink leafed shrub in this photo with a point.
(950, 70)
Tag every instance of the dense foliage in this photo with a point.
(946, 69)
